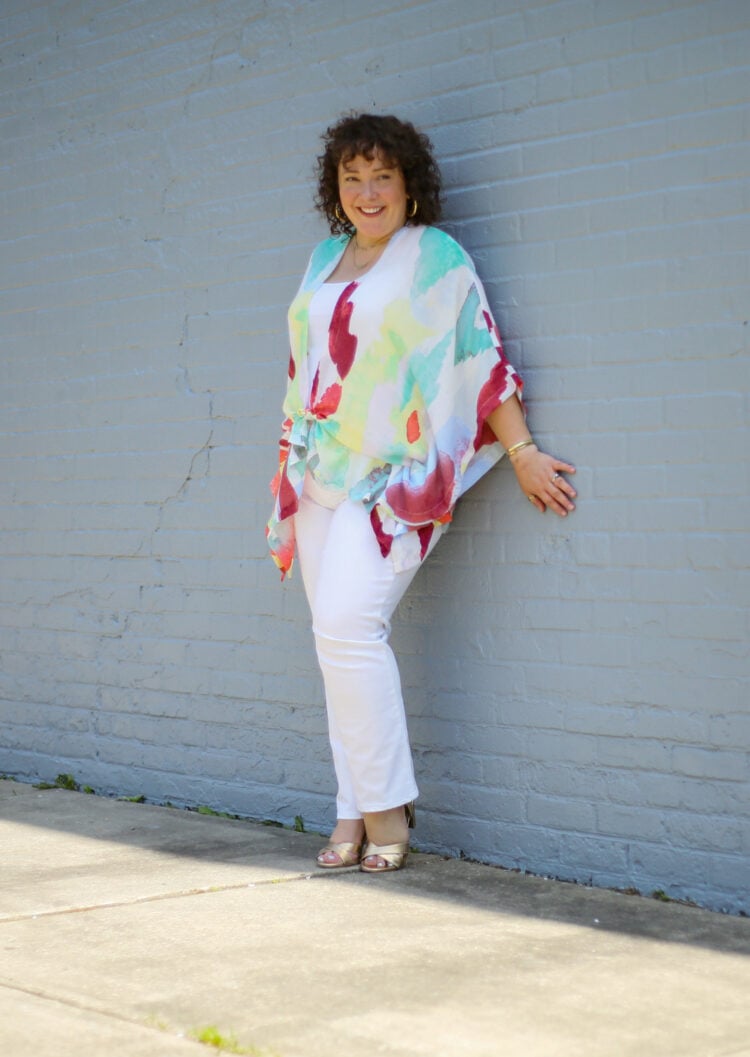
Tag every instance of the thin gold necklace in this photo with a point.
(379, 245)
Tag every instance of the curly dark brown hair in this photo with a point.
(400, 144)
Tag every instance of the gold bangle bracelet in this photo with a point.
(520, 446)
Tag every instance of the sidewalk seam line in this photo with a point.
(207, 890)
(71, 1003)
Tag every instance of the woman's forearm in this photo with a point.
(508, 423)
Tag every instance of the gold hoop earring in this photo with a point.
(337, 214)
(414, 208)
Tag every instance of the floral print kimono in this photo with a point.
(395, 414)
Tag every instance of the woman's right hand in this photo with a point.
(540, 477)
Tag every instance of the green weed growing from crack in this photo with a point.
(211, 1036)
(68, 781)
(63, 781)
(203, 809)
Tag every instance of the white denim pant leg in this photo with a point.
(353, 591)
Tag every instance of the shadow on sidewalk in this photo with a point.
(173, 834)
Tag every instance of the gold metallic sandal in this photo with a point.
(349, 853)
(393, 855)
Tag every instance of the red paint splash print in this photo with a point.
(413, 432)
(329, 402)
(342, 344)
(492, 327)
(385, 539)
(288, 502)
(488, 400)
(425, 535)
(425, 502)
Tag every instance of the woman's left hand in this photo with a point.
(540, 477)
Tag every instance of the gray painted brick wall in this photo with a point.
(577, 690)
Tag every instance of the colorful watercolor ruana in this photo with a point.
(395, 414)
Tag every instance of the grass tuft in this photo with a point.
(211, 1036)
(63, 781)
(203, 809)
(67, 781)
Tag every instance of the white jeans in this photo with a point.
(353, 590)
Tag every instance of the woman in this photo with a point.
(399, 398)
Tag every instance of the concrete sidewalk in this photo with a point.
(124, 928)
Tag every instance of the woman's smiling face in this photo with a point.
(373, 196)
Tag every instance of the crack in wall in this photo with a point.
(199, 470)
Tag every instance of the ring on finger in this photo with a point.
(555, 476)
